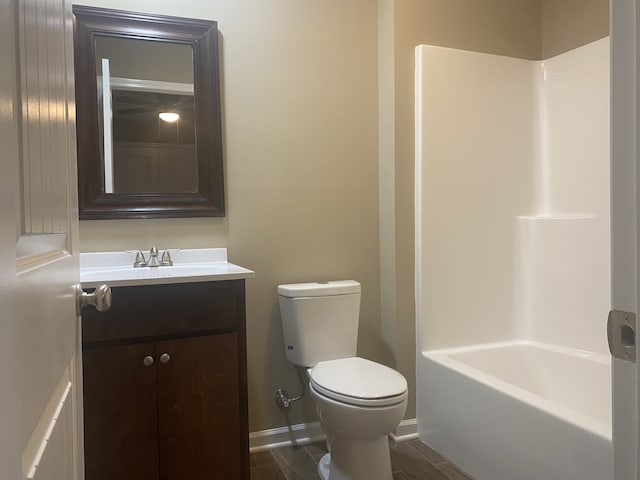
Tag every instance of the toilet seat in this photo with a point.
(357, 381)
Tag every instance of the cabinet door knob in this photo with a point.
(148, 361)
(165, 357)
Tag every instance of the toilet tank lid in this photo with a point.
(319, 289)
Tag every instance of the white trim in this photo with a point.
(407, 430)
(305, 433)
(417, 197)
(291, 435)
(624, 225)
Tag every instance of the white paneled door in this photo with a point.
(40, 374)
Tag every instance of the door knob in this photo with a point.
(148, 361)
(165, 357)
(100, 298)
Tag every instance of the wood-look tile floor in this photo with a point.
(409, 460)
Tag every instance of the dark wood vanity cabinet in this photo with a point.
(165, 388)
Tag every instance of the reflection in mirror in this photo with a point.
(149, 132)
(147, 120)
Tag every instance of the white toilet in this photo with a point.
(359, 402)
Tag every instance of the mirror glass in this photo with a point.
(146, 116)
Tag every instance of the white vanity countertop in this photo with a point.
(189, 265)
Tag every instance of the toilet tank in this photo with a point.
(319, 320)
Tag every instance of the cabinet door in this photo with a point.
(120, 415)
(199, 408)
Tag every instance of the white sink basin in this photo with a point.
(193, 265)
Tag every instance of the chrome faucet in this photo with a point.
(141, 261)
(153, 258)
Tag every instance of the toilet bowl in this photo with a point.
(359, 403)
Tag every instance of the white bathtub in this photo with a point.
(518, 411)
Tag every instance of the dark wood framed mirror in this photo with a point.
(149, 132)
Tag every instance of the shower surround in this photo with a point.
(512, 262)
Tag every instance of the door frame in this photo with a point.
(624, 221)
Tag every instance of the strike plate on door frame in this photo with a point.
(621, 334)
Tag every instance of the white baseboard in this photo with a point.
(407, 430)
(294, 435)
(305, 433)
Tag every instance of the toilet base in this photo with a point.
(353, 459)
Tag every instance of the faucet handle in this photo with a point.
(140, 261)
(153, 251)
(166, 259)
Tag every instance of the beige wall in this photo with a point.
(300, 134)
(319, 181)
(567, 24)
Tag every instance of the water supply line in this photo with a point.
(282, 396)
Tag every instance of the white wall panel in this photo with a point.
(475, 123)
(512, 212)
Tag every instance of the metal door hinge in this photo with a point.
(621, 334)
